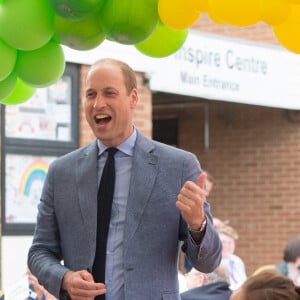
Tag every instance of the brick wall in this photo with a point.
(259, 32)
(254, 156)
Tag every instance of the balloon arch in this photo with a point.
(32, 32)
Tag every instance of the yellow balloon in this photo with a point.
(236, 12)
(214, 18)
(288, 32)
(274, 12)
(179, 14)
(204, 6)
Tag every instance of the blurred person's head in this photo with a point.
(291, 256)
(291, 252)
(228, 236)
(219, 223)
(267, 285)
(209, 184)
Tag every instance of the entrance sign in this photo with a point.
(214, 67)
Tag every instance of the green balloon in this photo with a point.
(8, 59)
(163, 42)
(76, 10)
(7, 85)
(129, 21)
(26, 25)
(20, 94)
(81, 35)
(41, 67)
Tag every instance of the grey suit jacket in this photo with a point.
(67, 218)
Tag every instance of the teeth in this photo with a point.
(100, 117)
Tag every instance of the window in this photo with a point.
(34, 133)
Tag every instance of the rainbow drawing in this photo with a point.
(37, 170)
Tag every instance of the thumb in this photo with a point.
(87, 276)
(201, 180)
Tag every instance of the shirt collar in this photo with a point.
(125, 147)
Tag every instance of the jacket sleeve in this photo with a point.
(206, 255)
(44, 256)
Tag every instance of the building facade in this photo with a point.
(251, 150)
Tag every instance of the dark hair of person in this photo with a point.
(270, 285)
(292, 249)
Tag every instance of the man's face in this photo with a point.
(108, 107)
(209, 187)
(228, 245)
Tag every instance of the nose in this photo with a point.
(99, 102)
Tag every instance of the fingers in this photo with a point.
(81, 285)
(87, 276)
(190, 201)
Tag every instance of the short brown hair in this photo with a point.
(270, 285)
(228, 230)
(128, 73)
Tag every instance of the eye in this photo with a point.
(109, 93)
(90, 94)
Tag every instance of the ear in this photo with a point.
(134, 98)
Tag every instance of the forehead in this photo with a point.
(105, 72)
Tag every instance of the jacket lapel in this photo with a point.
(87, 177)
(143, 175)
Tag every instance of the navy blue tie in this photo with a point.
(105, 198)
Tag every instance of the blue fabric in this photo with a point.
(212, 291)
(114, 274)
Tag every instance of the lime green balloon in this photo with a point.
(41, 67)
(8, 56)
(129, 21)
(21, 93)
(27, 24)
(7, 85)
(80, 35)
(76, 10)
(163, 42)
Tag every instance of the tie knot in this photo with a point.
(111, 151)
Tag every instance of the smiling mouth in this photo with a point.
(102, 119)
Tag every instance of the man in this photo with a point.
(211, 286)
(158, 193)
(234, 264)
(290, 265)
(36, 291)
